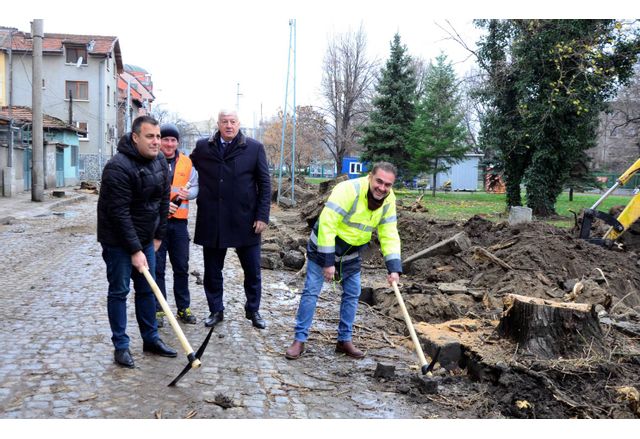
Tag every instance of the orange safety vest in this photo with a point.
(180, 180)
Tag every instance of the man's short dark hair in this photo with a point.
(385, 166)
(138, 121)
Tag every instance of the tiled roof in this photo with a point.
(54, 43)
(25, 115)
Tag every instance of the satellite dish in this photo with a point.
(79, 62)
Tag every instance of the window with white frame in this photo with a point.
(84, 127)
(355, 168)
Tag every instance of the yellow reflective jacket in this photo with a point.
(346, 223)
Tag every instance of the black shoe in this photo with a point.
(123, 358)
(256, 319)
(213, 319)
(159, 348)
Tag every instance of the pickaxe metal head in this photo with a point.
(429, 367)
(194, 359)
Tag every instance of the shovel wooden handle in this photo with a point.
(195, 362)
(407, 319)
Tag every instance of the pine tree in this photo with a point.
(437, 137)
(384, 137)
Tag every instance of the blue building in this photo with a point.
(353, 167)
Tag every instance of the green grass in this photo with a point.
(315, 180)
(463, 205)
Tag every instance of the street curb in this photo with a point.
(72, 199)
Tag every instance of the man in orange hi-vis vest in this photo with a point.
(184, 187)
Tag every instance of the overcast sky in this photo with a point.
(199, 51)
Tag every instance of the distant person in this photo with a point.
(184, 187)
(354, 209)
(233, 211)
(132, 220)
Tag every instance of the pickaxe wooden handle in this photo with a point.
(195, 362)
(423, 361)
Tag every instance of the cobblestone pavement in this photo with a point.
(56, 356)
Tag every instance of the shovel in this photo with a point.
(194, 358)
(425, 367)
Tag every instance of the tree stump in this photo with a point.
(549, 329)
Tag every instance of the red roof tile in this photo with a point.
(54, 43)
(24, 114)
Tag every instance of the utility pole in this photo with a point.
(238, 94)
(8, 174)
(292, 48)
(37, 142)
(127, 109)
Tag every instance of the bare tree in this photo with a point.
(347, 86)
(189, 133)
(420, 67)
(472, 108)
(310, 130)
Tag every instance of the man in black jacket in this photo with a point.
(233, 210)
(132, 220)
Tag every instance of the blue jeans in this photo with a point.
(119, 275)
(213, 264)
(176, 243)
(348, 305)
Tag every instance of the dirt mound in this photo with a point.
(545, 262)
(531, 259)
(303, 191)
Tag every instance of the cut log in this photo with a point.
(549, 329)
(451, 246)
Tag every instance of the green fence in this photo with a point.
(609, 180)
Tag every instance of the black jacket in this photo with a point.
(134, 198)
(235, 191)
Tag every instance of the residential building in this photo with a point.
(135, 95)
(79, 86)
(60, 158)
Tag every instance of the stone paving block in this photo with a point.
(74, 354)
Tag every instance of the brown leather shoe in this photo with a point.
(347, 347)
(295, 350)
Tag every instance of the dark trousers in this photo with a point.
(120, 272)
(176, 243)
(213, 263)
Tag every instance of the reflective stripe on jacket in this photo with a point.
(346, 223)
(180, 179)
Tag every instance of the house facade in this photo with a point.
(60, 155)
(135, 95)
(79, 86)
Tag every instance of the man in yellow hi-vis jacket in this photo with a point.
(354, 209)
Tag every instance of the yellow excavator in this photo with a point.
(621, 223)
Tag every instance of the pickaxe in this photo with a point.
(423, 362)
(193, 357)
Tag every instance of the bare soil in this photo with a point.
(495, 378)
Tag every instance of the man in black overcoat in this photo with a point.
(233, 211)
